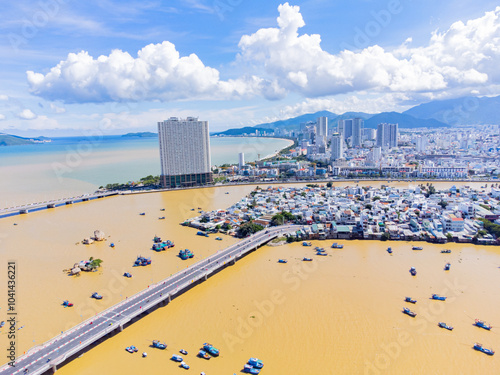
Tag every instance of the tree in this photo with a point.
(385, 236)
(449, 237)
(204, 219)
(329, 184)
(277, 219)
(368, 206)
(248, 229)
(288, 216)
(443, 204)
(376, 198)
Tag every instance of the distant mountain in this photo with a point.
(241, 131)
(294, 123)
(404, 121)
(462, 111)
(14, 140)
(141, 135)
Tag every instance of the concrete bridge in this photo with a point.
(65, 347)
(24, 209)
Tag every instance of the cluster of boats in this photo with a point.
(210, 349)
(162, 246)
(131, 349)
(178, 358)
(142, 261)
(185, 254)
(320, 251)
(253, 366)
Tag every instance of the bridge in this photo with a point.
(63, 348)
(24, 209)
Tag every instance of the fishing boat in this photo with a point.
(446, 251)
(282, 261)
(185, 254)
(157, 239)
(321, 253)
(161, 218)
(144, 354)
(2, 324)
(248, 369)
(389, 250)
(177, 358)
(159, 345)
(142, 261)
(307, 259)
(407, 311)
(218, 238)
(112, 244)
(256, 363)
(417, 248)
(480, 348)
(306, 243)
(162, 209)
(182, 351)
(445, 326)
(413, 271)
(142, 213)
(482, 324)
(184, 365)
(438, 297)
(337, 246)
(447, 266)
(96, 296)
(203, 354)
(131, 349)
(67, 304)
(200, 233)
(126, 274)
(211, 349)
(410, 300)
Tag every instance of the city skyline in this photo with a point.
(117, 67)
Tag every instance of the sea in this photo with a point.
(71, 166)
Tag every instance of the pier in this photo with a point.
(27, 208)
(47, 357)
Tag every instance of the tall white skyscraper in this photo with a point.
(337, 147)
(184, 152)
(357, 132)
(321, 130)
(241, 160)
(421, 143)
(387, 135)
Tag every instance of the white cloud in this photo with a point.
(2, 117)
(57, 109)
(4, 97)
(26, 114)
(158, 73)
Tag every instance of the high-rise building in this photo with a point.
(241, 160)
(369, 134)
(184, 152)
(322, 129)
(387, 135)
(337, 147)
(345, 128)
(357, 132)
(421, 145)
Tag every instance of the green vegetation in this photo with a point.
(485, 206)
(248, 229)
(329, 184)
(385, 236)
(492, 228)
(443, 204)
(94, 263)
(14, 140)
(148, 182)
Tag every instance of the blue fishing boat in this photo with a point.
(282, 261)
(408, 312)
(447, 251)
(142, 261)
(410, 300)
(131, 349)
(176, 358)
(185, 254)
(126, 274)
(184, 365)
(142, 213)
(480, 348)
(447, 266)
(157, 239)
(96, 296)
(211, 349)
(249, 369)
(218, 238)
(445, 326)
(200, 233)
(161, 218)
(2, 324)
(144, 354)
(256, 363)
(389, 250)
(307, 259)
(306, 243)
(482, 324)
(67, 304)
(182, 351)
(203, 354)
(438, 297)
(337, 246)
(413, 271)
(321, 253)
(159, 345)
(162, 209)
(417, 248)
(112, 244)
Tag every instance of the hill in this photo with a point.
(241, 131)
(14, 140)
(141, 135)
(404, 121)
(462, 111)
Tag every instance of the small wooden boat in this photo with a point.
(96, 296)
(438, 297)
(307, 259)
(131, 349)
(176, 358)
(447, 266)
(479, 347)
(182, 351)
(126, 274)
(413, 271)
(410, 300)
(142, 213)
(306, 244)
(389, 250)
(203, 354)
(159, 345)
(144, 354)
(67, 304)
(445, 326)
(161, 218)
(417, 248)
(408, 312)
(446, 251)
(211, 349)
(482, 324)
(282, 261)
(256, 363)
(184, 365)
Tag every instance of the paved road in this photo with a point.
(42, 358)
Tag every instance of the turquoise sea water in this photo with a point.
(75, 165)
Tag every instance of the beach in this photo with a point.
(339, 314)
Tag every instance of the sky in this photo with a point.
(69, 67)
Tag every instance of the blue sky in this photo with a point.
(70, 67)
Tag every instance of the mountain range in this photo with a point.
(435, 114)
